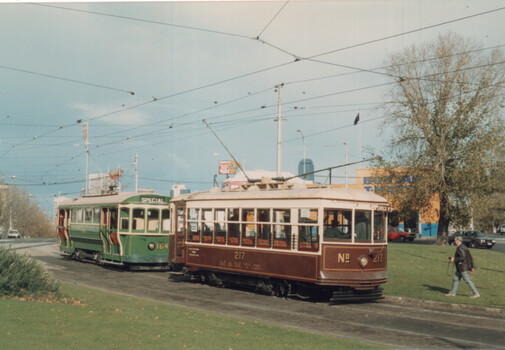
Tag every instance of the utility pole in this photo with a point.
(279, 129)
(86, 143)
(136, 162)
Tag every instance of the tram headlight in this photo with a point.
(363, 261)
(151, 246)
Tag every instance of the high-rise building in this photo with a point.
(308, 167)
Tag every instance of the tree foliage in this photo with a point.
(445, 107)
(25, 213)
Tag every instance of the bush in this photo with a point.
(21, 276)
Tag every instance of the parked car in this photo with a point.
(473, 238)
(397, 233)
(13, 234)
(501, 229)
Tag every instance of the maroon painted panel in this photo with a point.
(287, 265)
(341, 265)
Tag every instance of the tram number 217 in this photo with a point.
(238, 255)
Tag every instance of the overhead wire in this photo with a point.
(270, 67)
(66, 79)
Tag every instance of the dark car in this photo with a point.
(397, 233)
(473, 239)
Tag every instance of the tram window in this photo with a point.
(207, 226)
(264, 228)
(248, 227)
(180, 219)
(74, 216)
(362, 227)
(96, 215)
(193, 230)
(80, 215)
(88, 215)
(219, 226)
(113, 219)
(233, 226)
(308, 232)
(282, 228)
(165, 220)
(379, 226)
(138, 218)
(125, 219)
(337, 225)
(153, 220)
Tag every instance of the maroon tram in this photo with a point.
(308, 242)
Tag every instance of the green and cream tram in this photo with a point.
(129, 229)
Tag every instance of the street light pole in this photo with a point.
(303, 139)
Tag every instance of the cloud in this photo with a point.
(112, 114)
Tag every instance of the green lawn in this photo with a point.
(112, 321)
(423, 272)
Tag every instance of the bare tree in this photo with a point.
(26, 215)
(445, 108)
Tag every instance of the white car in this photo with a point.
(13, 234)
(501, 229)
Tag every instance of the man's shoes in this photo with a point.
(450, 295)
(475, 296)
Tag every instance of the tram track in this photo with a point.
(383, 322)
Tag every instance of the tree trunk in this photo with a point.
(444, 220)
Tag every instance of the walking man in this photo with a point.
(464, 263)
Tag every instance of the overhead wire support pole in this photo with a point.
(279, 129)
(227, 150)
(86, 143)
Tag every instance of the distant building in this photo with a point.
(308, 167)
(179, 189)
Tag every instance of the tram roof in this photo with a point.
(253, 193)
(121, 197)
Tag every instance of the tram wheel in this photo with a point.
(282, 289)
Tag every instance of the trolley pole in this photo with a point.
(279, 129)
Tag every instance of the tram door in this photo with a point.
(109, 230)
(63, 219)
(177, 244)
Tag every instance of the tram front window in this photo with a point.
(379, 226)
(362, 228)
(337, 225)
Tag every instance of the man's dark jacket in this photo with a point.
(463, 258)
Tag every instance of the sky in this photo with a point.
(145, 74)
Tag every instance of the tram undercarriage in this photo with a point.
(97, 258)
(278, 287)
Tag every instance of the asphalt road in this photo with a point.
(390, 322)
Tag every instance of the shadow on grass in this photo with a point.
(437, 289)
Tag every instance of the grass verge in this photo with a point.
(112, 321)
(423, 272)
